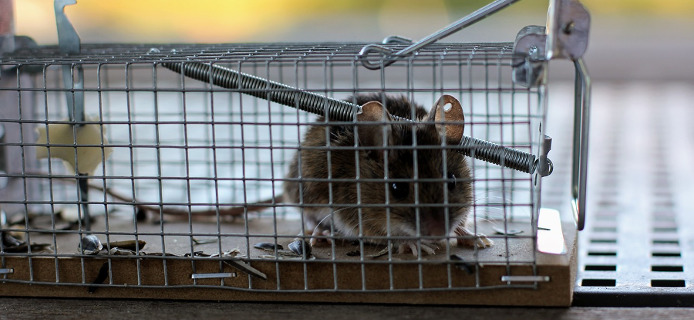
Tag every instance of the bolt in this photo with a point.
(568, 27)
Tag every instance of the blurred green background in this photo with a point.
(630, 39)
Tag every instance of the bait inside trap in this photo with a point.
(134, 170)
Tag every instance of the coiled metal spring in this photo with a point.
(339, 110)
(500, 155)
(265, 89)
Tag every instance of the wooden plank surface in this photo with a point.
(209, 237)
(33, 308)
(401, 280)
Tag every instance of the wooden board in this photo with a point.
(333, 276)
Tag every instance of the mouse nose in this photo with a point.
(432, 224)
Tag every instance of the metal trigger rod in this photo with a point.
(388, 56)
(339, 110)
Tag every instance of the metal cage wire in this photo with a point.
(187, 146)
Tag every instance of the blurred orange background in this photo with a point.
(239, 20)
(634, 39)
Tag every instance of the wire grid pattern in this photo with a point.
(183, 144)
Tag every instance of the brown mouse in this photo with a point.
(380, 203)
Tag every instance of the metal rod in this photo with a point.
(579, 172)
(84, 215)
(339, 110)
(464, 22)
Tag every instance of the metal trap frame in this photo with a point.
(157, 170)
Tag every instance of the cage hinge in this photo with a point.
(565, 37)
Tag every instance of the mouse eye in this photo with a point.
(400, 190)
(451, 181)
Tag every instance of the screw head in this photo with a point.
(568, 27)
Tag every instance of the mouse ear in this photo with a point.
(448, 109)
(372, 134)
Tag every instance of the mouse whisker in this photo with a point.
(325, 218)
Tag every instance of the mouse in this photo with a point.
(393, 174)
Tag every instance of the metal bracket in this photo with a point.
(568, 24)
(565, 37)
(529, 56)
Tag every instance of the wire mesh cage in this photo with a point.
(138, 166)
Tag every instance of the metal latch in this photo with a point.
(565, 37)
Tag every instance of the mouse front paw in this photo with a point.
(468, 239)
(412, 246)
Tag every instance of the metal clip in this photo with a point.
(510, 279)
(6, 271)
(213, 275)
(388, 57)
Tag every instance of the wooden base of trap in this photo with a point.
(343, 279)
